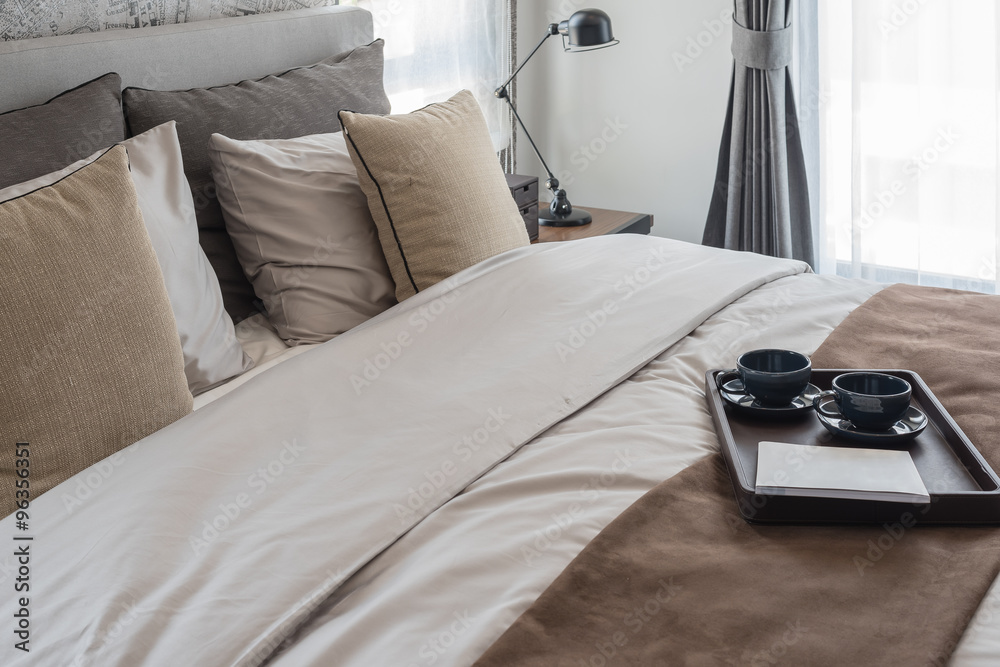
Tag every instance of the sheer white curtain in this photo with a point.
(434, 48)
(908, 141)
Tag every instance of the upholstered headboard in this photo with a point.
(194, 55)
(180, 56)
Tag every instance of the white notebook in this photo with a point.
(838, 472)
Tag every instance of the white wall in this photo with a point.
(658, 98)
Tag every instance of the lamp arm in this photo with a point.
(503, 94)
(553, 29)
(552, 182)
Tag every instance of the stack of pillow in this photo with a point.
(130, 258)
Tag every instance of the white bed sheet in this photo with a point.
(224, 531)
(450, 587)
(442, 592)
(517, 519)
(262, 343)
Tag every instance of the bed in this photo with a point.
(400, 494)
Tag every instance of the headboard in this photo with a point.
(180, 56)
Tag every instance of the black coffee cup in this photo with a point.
(773, 377)
(870, 401)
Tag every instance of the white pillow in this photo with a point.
(303, 233)
(212, 353)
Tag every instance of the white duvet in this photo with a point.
(383, 499)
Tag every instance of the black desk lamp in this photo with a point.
(585, 30)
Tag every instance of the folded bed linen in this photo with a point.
(450, 587)
(447, 588)
(222, 533)
(680, 576)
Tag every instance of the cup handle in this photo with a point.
(818, 401)
(725, 376)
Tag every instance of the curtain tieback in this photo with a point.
(762, 49)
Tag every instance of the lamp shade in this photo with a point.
(587, 28)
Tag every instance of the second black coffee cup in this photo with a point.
(870, 401)
(773, 377)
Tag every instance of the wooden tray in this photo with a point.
(963, 487)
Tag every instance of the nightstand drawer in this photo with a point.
(524, 190)
(530, 216)
(526, 194)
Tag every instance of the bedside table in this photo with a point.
(605, 222)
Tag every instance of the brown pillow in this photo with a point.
(295, 103)
(91, 361)
(435, 189)
(41, 139)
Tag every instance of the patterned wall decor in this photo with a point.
(25, 19)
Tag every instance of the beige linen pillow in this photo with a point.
(212, 353)
(91, 361)
(303, 233)
(435, 189)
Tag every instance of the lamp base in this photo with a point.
(576, 218)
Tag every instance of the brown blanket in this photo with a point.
(679, 579)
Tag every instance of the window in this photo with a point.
(908, 141)
(434, 48)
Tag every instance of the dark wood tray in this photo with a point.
(963, 487)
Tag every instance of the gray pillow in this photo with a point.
(69, 127)
(303, 233)
(296, 103)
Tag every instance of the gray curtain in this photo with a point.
(761, 198)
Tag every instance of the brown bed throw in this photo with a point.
(680, 579)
